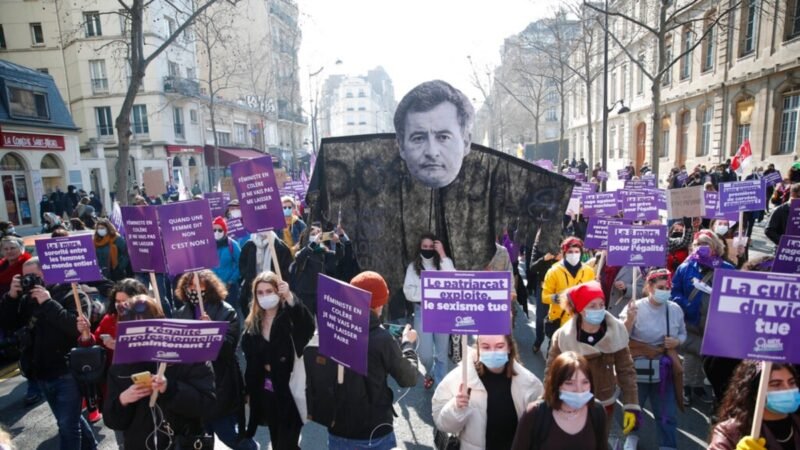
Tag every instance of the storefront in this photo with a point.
(187, 161)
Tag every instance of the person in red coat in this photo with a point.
(14, 256)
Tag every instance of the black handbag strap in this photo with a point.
(666, 304)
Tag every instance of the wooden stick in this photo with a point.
(199, 294)
(741, 224)
(599, 267)
(635, 279)
(340, 374)
(274, 256)
(154, 287)
(86, 335)
(761, 399)
(464, 362)
(162, 367)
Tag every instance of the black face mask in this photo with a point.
(193, 296)
(676, 234)
(427, 253)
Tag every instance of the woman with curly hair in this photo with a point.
(275, 332)
(112, 253)
(780, 429)
(222, 418)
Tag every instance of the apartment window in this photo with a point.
(792, 25)
(240, 133)
(350, 108)
(177, 121)
(124, 21)
(624, 82)
(193, 115)
(550, 115)
(683, 137)
(139, 119)
(705, 131)
(789, 123)
(665, 125)
(643, 11)
(2, 38)
(612, 139)
(190, 73)
(686, 59)
(188, 34)
(27, 103)
(640, 76)
(621, 146)
(92, 21)
(43, 70)
(613, 88)
(667, 77)
(170, 26)
(708, 44)
(173, 69)
(744, 114)
(105, 125)
(97, 72)
(223, 138)
(37, 35)
(749, 27)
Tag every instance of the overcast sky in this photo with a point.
(414, 40)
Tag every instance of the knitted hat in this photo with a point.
(374, 283)
(571, 242)
(584, 293)
(221, 223)
(233, 202)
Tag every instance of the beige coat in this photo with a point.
(609, 360)
(470, 423)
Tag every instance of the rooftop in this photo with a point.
(30, 98)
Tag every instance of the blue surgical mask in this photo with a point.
(594, 316)
(575, 400)
(494, 360)
(783, 402)
(287, 212)
(662, 295)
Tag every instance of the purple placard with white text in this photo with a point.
(187, 236)
(634, 245)
(601, 204)
(143, 239)
(623, 174)
(175, 341)
(712, 208)
(580, 191)
(259, 198)
(787, 257)
(602, 175)
(545, 164)
(597, 232)
(747, 195)
(762, 309)
(640, 205)
(644, 183)
(216, 203)
(343, 316)
(236, 228)
(464, 302)
(793, 224)
(70, 259)
(772, 178)
(682, 177)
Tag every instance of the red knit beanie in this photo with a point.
(221, 223)
(571, 242)
(584, 293)
(373, 283)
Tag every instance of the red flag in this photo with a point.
(742, 157)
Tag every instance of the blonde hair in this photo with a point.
(252, 324)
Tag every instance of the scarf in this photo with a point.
(263, 255)
(108, 240)
(702, 255)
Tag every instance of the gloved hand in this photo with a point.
(749, 443)
(628, 421)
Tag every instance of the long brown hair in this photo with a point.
(252, 324)
(112, 230)
(141, 307)
(215, 289)
(561, 370)
(513, 355)
(437, 260)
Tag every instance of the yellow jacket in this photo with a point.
(556, 281)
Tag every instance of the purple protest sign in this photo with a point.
(187, 236)
(640, 205)
(682, 177)
(144, 239)
(597, 232)
(787, 257)
(772, 178)
(69, 259)
(216, 203)
(762, 309)
(601, 204)
(644, 183)
(602, 175)
(793, 224)
(466, 302)
(236, 228)
(343, 316)
(739, 196)
(712, 211)
(633, 245)
(175, 341)
(623, 174)
(581, 190)
(545, 164)
(259, 198)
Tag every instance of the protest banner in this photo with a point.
(601, 204)
(636, 245)
(545, 164)
(143, 239)
(343, 316)
(772, 178)
(787, 257)
(682, 177)
(739, 196)
(623, 174)
(236, 229)
(639, 205)
(259, 198)
(174, 341)
(685, 202)
(597, 232)
(216, 203)
(154, 183)
(793, 223)
(711, 208)
(644, 183)
(187, 236)
(602, 175)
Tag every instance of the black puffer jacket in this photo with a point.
(309, 262)
(190, 392)
(49, 330)
(227, 374)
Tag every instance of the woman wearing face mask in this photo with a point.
(567, 416)
(561, 276)
(485, 415)
(678, 242)
(780, 429)
(315, 257)
(222, 418)
(112, 253)
(691, 290)
(276, 331)
(228, 251)
(656, 328)
(433, 347)
(256, 257)
(728, 232)
(603, 341)
(233, 211)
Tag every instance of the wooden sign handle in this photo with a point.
(340, 374)
(464, 362)
(199, 294)
(635, 279)
(761, 399)
(154, 396)
(86, 335)
(274, 256)
(154, 287)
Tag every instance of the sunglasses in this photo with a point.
(218, 229)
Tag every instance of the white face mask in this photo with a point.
(236, 213)
(722, 229)
(268, 301)
(218, 235)
(102, 232)
(314, 238)
(573, 258)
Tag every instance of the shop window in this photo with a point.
(50, 162)
(11, 162)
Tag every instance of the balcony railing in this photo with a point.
(182, 86)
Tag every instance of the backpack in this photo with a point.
(543, 422)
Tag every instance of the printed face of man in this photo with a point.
(433, 146)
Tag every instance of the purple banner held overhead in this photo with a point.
(187, 236)
(144, 239)
(623, 174)
(753, 315)
(640, 205)
(602, 175)
(69, 259)
(682, 177)
(793, 224)
(787, 257)
(236, 228)
(343, 316)
(712, 208)
(633, 245)
(772, 178)
(259, 198)
(739, 196)
(597, 232)
(216, 203)
(601, 204)
(466, 302)
(174, 341)
(581, 190)
(644, 183)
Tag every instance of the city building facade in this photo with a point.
(362, 104)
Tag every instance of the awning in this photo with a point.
(230, 155)
(184, 149)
